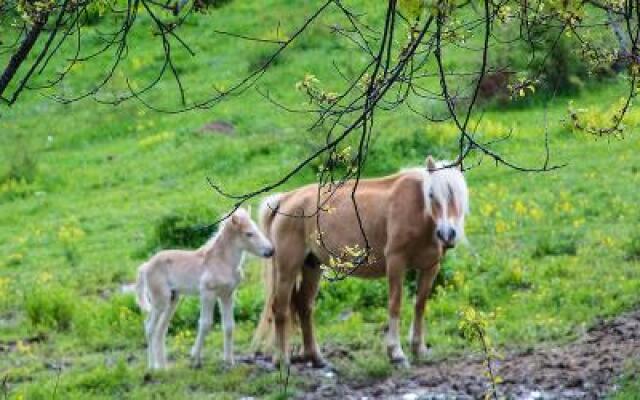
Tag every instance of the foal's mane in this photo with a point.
(214, 237)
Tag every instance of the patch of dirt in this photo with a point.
(584, 369)
(12, 345)
(221, 127)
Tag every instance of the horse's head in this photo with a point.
(251, 237)
(446, 200)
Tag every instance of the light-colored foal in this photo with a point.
(213, 272)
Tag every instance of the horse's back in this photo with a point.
(332, 226)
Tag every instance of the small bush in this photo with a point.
(258, 60)
(393, 150)
(50, 308)
(180, 230)
(23, 166)
(351, 293)
(114, 381)
(188, 314)
(248, 306)
(202, 5)
(556, 245)
(632, 248)
(514, 277)
(370, 366)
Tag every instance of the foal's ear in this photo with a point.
(235, 220)
(431, 164)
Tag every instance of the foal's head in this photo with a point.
(446, 200)
(249, 235)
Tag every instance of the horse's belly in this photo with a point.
(370, 271)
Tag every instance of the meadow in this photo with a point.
(89, 191)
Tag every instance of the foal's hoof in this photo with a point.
(400, 362)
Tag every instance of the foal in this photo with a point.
(213, 272)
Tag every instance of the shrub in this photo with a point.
(113, 381)
(188, 314)
(556, 245)
(182, 230)
(22, 162)
(632, 248)
(258, 60)
(393, 150)
(248, 306)
(351, 293)
(50, 307)
(202, 5)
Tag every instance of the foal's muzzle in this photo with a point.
(268, 253)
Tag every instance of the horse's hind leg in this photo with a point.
(287, 263)
(304, 298)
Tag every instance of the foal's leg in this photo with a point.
(395, 275)
(305, 298)
(150, 326)
(416, 335)
(157, 334)
(226, 305)
(165, 319)
(207, 303)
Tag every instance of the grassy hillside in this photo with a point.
(548, 253)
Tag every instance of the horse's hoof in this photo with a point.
(420, 352)
(321, 363)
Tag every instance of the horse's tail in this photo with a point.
(263, 337)
(142, 289)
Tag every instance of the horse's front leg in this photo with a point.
(395, 275)
(226, 305)
(416, 332)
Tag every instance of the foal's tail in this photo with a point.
(142, 290)
(263, 337)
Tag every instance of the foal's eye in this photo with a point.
(249, 234)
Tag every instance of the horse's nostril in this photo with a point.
(439, 234)
(268, 253)
(452, 234)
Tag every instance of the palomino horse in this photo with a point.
(410, 219)
(212, 272)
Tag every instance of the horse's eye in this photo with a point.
(249, 234)
(431, 194)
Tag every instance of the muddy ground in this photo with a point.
(584, 369)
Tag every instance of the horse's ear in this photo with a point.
(431, 164)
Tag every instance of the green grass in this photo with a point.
(628, 386)
(548, 252)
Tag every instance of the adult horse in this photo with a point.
(410, 219)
